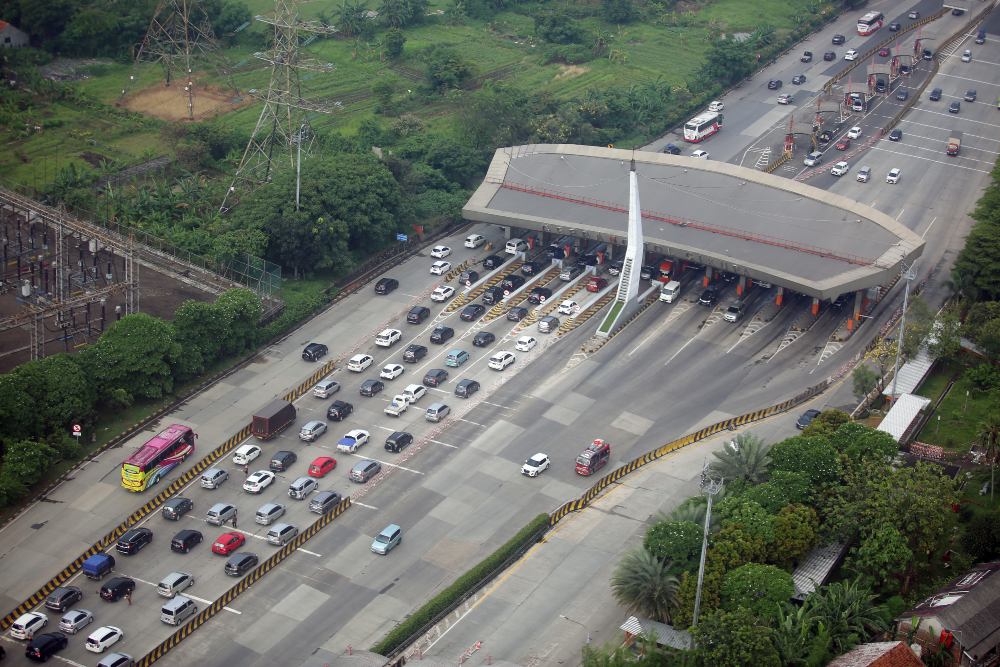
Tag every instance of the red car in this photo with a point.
(321, 466)
(843, 144)
(884, 52)
(227, 543)
(596, 284)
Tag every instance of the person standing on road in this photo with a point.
(128, 596)
(246, 469)
(234, 519)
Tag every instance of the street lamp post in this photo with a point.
(567, 618)
(909, 275)
(710, 486)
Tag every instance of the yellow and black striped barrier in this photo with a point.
(153, 504)
(243, 584)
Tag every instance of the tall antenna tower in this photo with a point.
(283, 124)
(179, 31)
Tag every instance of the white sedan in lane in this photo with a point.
(700, 154)
(258, 481)
(525, 343)
(442, 293)
(852, 54)
(391, 372)
(440, 267)
(245, 454)
(440, 251)
(536, 465)
(103, 637)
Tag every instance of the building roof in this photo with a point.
(666, 635)
(901, 415)
(969, 607)
(729, 217)
(815, 568)
(912, 373)
(879, 654)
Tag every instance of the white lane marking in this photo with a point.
(371, 507)
(680, 350)
(438, 442)
(468, 421)
(745, 336)
(385, 463)
(505, 407)
(306, 551)
(207, 602)
(68, 661)
(929, 227)
(900, 214)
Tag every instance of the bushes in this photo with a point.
(463, 585)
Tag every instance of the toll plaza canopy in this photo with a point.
(731, 218)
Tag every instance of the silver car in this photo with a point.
(75, 620)
(312, 430)
(268, 513)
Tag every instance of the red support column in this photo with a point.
(815, 307)
(779, 296)
(707, 280)
(741, 286)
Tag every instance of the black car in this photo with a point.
(116, 588)
(492, 262)
(492, 295)
(894, 27)
(517, 313)
(466, 388)
(839, 39)
(970, 96)
(806, 418)
(905, 70)
(955, 107)
(442, 334)
(531, 268)
(902, 94)
(829, 55)
(957, 12)
(646, 272)
(799, 79)
(709, 297)
(63, 598)
(239, 563)
(414, 353)
(435, 377)
(339, 410)
(284, 459)
(539, 295)
(615, 268)
(176, 507)
(187, 539)
(927, 54)
(672, 149)
(935, 95)
(314, 351)
(398, 441)
(895, 135)
(483, 338)
(825, 137)
(418, 314)
(807, 57)
(472, 312)
(467, 278)
(880, 85)
(511, 282)
(386, 285)
(44, 646)
(134, 540)
(774, 84)
(372, 387)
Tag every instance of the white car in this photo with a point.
(258, 481)
(568, 307)
(840, 169)
(388, 337)
(474, 240)
(893, 176)
(440, 267)
(864, 174)
(851, 54)
(103, 637)
(854, 132)
(312, 430)
(415, 392)
(716, 105)
(785, 98)
(967, 56)
(700, 154)
(442, 293)
(391, 372)
(359, 362)
(536, 465)
(27, 625)
(245, 454)
(352, 441)
(440, 251)
(525, 343)
(501, 360)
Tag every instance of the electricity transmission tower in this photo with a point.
(179, 31)
(283, 129)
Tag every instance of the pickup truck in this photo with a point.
(414, 391)
(398, 406)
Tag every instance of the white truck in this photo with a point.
(398, 406)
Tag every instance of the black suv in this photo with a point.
(339, 410)
(472, 312)
(709, 296)
(807, 417)
(176, 507)
(774, 84)
(435, 377)
(372, 387)
(517, 313)
(442, 334)
(43, 647)
(314, 351)
(63, 598)
(116, 588)
(935, 95)
(414, 353)
(398, 441)
(185, 540)
(512, 281)
(284, 459)
(483, 338)
(531, 268)
(386, 285)
(134, 540)
(839, 39)
(492, 295)
(239, 563)
(466, 388)
(418, 314)
(539, 295)
(492, 262)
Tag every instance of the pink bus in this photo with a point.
(157, 457)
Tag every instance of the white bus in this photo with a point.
(702, 126)
(870, 22)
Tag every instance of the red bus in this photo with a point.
(157, 457)
(593, 458)
(870, 22)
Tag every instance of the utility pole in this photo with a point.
(298, 164)
(908, 275)
(710, 486)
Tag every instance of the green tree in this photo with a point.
(882, 354)
(981, 538)
(978, 264)
(796, 531)
(642, 583)
(59, 392)
(728, 61)
(735, 639)
(24, 463)
(848, 610)
(989, 440)
(558, 27)
(861, 443)
(882, 554)
(749, 516)
(87, 32)
(865, 380)
(745, 458)
(394, 42)
(135, 356)
(352, 19)
(446, 69)
(947, 343)
(201, 329)
(801, 641)
(240, 308)
(814, 457)
(619, 11)
(826, 423)
(45, 21)
(457, 160)
(675, 542)
(760, 589)
(17, 408)
(498, 114)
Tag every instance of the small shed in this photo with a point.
(901, 417)
(11, 37)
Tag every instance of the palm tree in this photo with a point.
(642, 583)
(744, 459)
(848, 609)
(989, 440)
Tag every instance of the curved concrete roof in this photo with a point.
(733, 218)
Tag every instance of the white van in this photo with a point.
(178, 610)
(515, 246)
(670, 291)
(474, 240)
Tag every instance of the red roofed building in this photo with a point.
(11, 37)
(879, 654)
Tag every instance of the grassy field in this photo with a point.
(960, 415)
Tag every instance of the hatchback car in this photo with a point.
(116, 660)
(483, 338)
(314, 352)
(238, 564)
(883, 52)
(75, 620)
(517, 313)
(700, 154)
(843, 144)
(492, 295)
(440, 267)
(493, 261)
(103, 637)
(935, 95)
(414, 353)
(525, 343)
(501, 360)
(734, 313)
(970, 96)
(799, 79)
(435, 377)
(44, 646)
(536, 465)
(185, 540)
(134, 541)
(176, 507)
(258, 481)
(902, 94)
(442, 293)
(854, 132)
(440, 251)
(829, 56)
(312, 430)
(851, 54)
(839, 39)
(267, 513)
(466, 388)
(321, 465)
(672, 149)
(398, 441)
(442, 334)
(474, 240)
(391, 371)
(227, 543)
(895, 135)
(472, 312)
(63, 598)
(116, 588)
(955, 107)
(914, 14)
(246, 454)
(386, 540)
(927, 54)
(364, 470)
(339, 410)
(282, 460)
(893, 176)
(386, 285)
(27, 625)
(372, 387)
(785, 98)
(967, 56)
(539, 295)
(774, 84)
